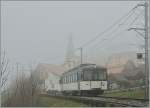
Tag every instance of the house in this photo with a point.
(117, 61)
(50, 74)
(52, 82)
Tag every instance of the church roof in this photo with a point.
(45, 69)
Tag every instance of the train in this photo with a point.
(83, 80)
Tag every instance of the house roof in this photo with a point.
(44, 69)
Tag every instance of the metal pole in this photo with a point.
(81, 54)
(146, 53)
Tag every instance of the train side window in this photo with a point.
(67, 79)
(64, 80)
(72, 77)
(60, 81)
(78, 76)
(75, 77)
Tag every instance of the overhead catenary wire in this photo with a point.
(101, 46)
(115, 36)
(135, 19)
(121, 21)
(118, 23)
(110, 34)
(110, 27)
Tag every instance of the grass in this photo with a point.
(45, 101)
(139, 94)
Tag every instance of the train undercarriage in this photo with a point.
(93, 92)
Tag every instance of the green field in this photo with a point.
(45, 101)
(139, 93)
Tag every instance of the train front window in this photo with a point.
(94, 75)
(87, 76)
(101, 75)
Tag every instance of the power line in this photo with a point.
(110, 27)
(115, 36)
(111, 39)
(136, 18)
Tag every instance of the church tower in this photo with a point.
(70, 58)
(70, 50)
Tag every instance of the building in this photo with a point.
(117, 62)
(52, 82)
(71, 60)
(50, 74)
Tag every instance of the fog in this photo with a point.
(34, 32)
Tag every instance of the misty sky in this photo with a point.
(39, 31)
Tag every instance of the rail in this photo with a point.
(102, 101)
(121, 90)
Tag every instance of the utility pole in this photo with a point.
(17, 66)
(81, 54)
(146, 53)
(146, 47)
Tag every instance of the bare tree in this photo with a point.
(35, 88)
(25, 90)
(4, 70)
(22, 88)
(4, 73)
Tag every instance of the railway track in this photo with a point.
(121, 98)
(106, 101)
(127, 101)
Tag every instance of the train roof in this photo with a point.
(83, 66)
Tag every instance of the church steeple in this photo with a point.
(70, 54)
(70, 49)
